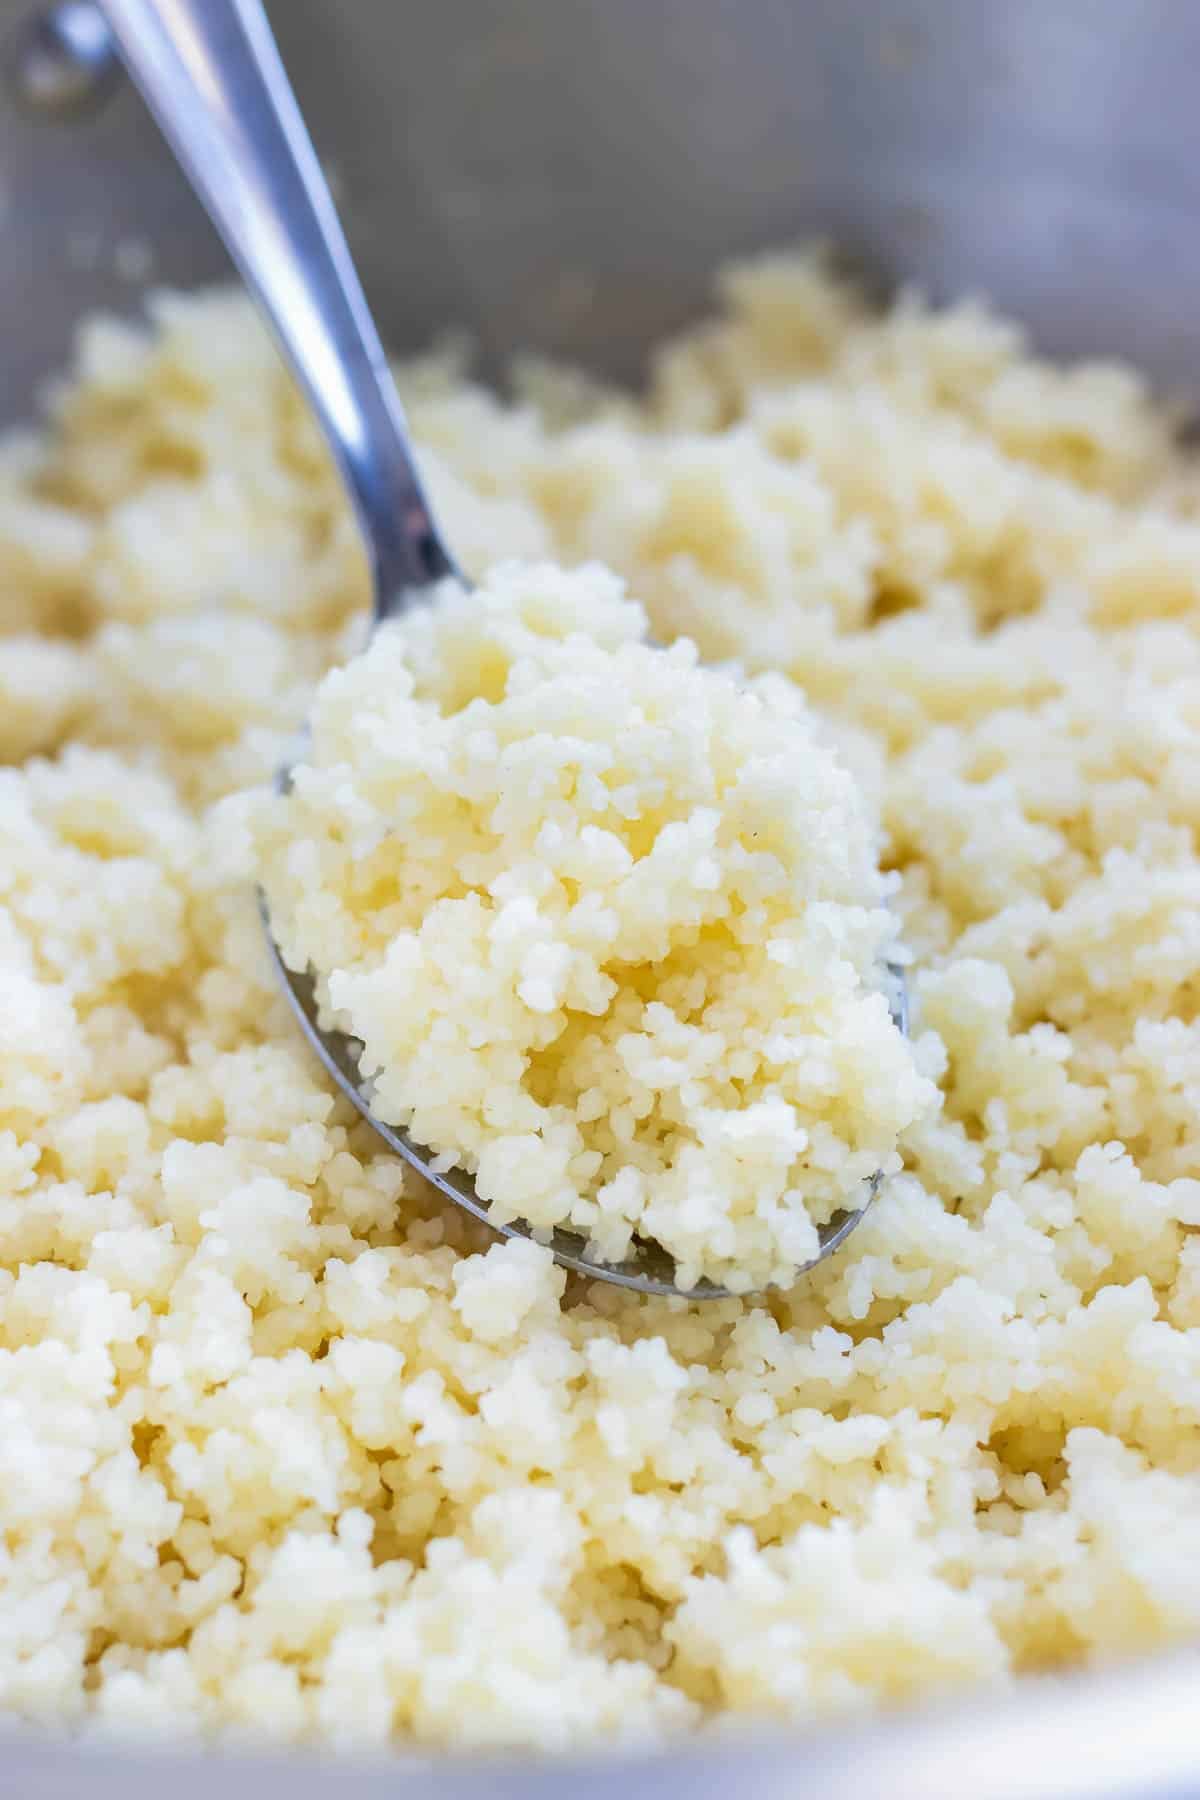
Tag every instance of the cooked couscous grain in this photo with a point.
(286, 1445)
(609, 926)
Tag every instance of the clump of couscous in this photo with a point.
(288, 1445)
(609, 926)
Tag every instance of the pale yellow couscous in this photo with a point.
(609, 927)
(287, 1445)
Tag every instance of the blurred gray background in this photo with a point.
(565, 175)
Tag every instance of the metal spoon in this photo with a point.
(210, 73)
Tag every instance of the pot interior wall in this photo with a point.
(553, 174)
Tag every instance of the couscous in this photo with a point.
(287, 1445)
(609, 927)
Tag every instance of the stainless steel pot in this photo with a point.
(567, 175)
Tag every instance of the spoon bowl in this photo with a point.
(653, 1271)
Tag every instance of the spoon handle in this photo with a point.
(211, 74)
